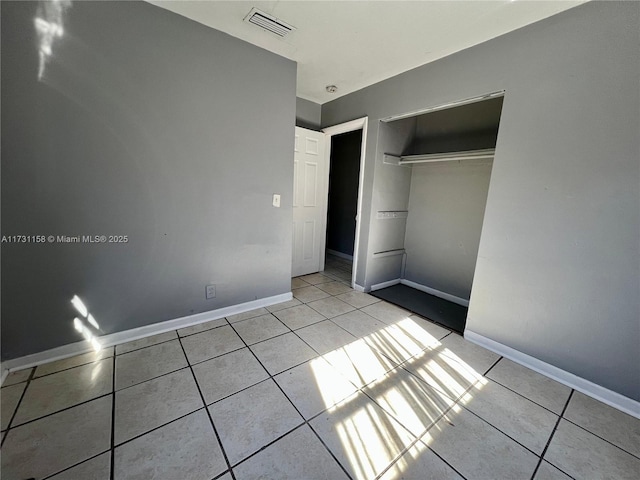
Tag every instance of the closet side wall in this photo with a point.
(391, 193)
(446, 208)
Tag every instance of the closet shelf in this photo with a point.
(447, 157)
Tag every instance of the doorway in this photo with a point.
(311, 195)
(345, 150)
(342, 203)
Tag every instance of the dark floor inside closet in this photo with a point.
(444, 312)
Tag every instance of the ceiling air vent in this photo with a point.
(268, 22)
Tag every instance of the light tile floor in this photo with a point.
(333, 384)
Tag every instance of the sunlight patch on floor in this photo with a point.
(358, 362)
(369, 439)
(335, 388)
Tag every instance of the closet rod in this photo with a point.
(447, 157)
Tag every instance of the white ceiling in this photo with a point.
(353, 44)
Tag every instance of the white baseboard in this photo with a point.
(77, 348)
(359, 288)
(389, 283)
(435, 293)
(622, 403)
(340, 254)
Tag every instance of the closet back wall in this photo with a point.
(446, 208)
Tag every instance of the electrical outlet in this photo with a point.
(210, 291)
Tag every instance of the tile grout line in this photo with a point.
(113, 419)
(226, 322)
(305, 422)
(72, 367)
(146, 346)
(311, 324)
(409, 447)
(28, 381)
(62, 409)
(136, 437)
(15, 411)
(493, 365)
(151, 378)
(353, 309)
(272, 442)
(522, 395)
(215, 431)
(220, 475)
(256, 343)
(93, 457)
(500, 430)
(598, 436)
(553, 432)
(322, 442)
(342, 328)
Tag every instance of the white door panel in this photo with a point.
(310, 184)
(309, 201)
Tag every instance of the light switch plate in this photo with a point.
(210, 291)
(276, 200)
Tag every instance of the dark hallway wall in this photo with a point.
(343, 191)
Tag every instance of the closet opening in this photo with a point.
(342, 204)
(436, 168)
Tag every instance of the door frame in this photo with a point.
(353, 125)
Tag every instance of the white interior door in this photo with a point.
(310, 173)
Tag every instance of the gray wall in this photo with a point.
(557, 275)
(149, 125)
(308, 114)
(446, 208)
